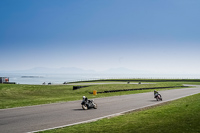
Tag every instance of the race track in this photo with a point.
(42, 117)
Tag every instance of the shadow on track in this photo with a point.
(78, 109)
(153, 101)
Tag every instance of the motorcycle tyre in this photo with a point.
(84, 107)
(156, 97)
(95, 106)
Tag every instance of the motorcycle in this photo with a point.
(88, 104)
(158, 97)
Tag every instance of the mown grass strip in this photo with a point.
(179, 116)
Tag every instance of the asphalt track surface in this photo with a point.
(50, 116)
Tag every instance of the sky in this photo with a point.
(161, 36)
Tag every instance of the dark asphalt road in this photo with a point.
(34, 118)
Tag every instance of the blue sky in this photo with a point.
(159, 36)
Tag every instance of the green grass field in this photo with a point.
(17, 95)
(180, 116)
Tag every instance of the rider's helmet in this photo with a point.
(83, 97)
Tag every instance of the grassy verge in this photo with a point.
(16, 95)
(180, 116)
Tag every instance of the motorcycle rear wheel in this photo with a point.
(157, 99)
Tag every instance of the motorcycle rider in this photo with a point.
(155, 93)
(85, 99)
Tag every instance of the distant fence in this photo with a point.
(78, 87)
(110, 91)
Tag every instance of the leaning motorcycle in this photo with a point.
(88, 104)
(158, 97)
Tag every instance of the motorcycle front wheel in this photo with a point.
(95, 106)
(84, 107)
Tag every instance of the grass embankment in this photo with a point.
(16, 95)
(180, 116)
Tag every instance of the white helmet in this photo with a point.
(83, 97)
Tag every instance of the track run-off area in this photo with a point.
(56, 115)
